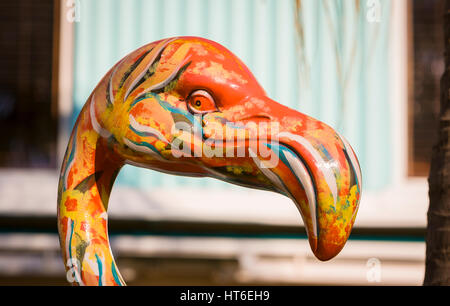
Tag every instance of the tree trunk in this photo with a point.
(437, 268)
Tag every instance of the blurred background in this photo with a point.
(368, 68)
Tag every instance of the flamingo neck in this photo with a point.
(87, 176)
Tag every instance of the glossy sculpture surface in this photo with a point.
(188, 106)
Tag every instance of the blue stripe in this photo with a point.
(146, 144)
(143, 134)
(70, 240)
(115, 275)
(100, 270)
(279, 149)
(168, 107)
(146, 96)
(70, 250)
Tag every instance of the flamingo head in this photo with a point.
(189, 106)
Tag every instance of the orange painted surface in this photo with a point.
(188, 106)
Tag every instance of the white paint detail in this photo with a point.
(166, 81)
(303, 175)
(105, 268)
(142, 149)
(353, 160)
(67, 172)
(93, 265)
(101, 131)
(151, 62)
(268, 173)
(321, 164)
(146, 129)
(69, 230)
(76, 269)
(111, 79)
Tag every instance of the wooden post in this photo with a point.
(437, 271)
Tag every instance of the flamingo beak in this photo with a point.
(319, 171)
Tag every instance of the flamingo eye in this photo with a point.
(201, 102)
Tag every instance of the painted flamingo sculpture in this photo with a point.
(188, 106)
